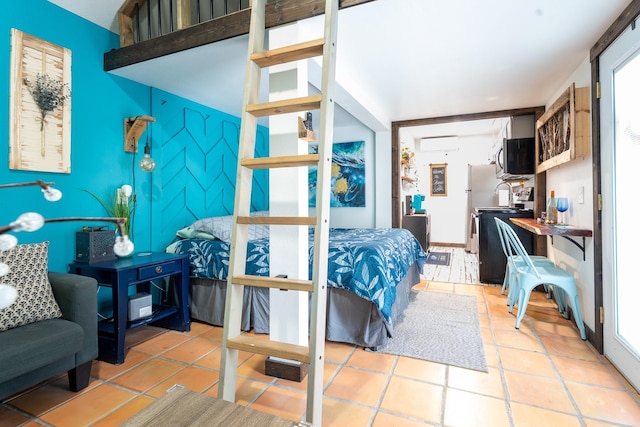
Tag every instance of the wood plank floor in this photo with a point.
(463, 267)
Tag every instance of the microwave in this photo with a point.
(516, 159)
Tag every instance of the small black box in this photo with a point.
(95, 244)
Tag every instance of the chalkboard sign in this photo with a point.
(438, 179)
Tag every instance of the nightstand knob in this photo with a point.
(158, 269)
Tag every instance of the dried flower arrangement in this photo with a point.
(48, 94)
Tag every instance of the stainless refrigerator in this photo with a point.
(481, 192)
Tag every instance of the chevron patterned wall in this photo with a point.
(196, 148)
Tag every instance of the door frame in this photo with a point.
(396, 184)
(628, 16)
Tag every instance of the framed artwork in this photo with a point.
(347, 175)
(438, 173)
(40, 105)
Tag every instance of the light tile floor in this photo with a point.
(540, 375)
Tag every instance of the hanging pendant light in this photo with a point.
(146, 163)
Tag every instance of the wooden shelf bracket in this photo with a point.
(134, 127)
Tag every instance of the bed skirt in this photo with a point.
(350, 318)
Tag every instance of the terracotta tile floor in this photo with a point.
(540, 375)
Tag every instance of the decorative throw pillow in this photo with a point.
(28, 266)
(220, 227)
(191, 233)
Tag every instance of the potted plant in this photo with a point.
(122, 204)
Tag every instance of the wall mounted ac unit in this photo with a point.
(438, 144)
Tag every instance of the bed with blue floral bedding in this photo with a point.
(378, 266)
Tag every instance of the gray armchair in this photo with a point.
(33, 353)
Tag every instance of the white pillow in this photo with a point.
(220, 227)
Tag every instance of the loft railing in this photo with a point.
(142, 20)
(178, 25)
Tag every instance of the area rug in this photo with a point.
(440, 327)
(180, 407)
(438, 258)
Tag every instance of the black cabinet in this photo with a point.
(491, 257)
(419, 226)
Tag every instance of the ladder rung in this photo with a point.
(269, 348)
(291, 53)
(277, 220)
(273, 282)
(285, 106)
(281, 161)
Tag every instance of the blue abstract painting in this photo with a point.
(347, 175)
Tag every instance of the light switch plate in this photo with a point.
(581, 195)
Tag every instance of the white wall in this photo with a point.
(568, 180)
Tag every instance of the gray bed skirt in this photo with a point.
(350, 318)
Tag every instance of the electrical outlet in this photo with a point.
(581, 195)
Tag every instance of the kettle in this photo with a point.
(417, 203)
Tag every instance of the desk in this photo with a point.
(566, 231)
(138, 270)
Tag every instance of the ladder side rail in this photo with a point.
(321, 238)
(239, 234)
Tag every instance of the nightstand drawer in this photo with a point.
(158, 270)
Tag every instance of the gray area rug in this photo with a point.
(440, 327)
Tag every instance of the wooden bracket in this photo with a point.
(303, 133)
(133, 129)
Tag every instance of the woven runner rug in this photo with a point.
(181, 408)
(440, 327)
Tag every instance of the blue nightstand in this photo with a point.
(138, 270)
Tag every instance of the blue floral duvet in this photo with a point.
(369, 262)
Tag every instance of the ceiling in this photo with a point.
(409, 59)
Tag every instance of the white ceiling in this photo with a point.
(408, 59)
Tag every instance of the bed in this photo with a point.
(371, 273)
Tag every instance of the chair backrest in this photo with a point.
(516, 245)
(503, 239)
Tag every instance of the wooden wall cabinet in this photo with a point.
(563, 132)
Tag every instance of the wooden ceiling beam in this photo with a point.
(235, 24)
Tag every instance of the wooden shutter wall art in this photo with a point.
(32, 145)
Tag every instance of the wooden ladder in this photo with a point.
(233, 341)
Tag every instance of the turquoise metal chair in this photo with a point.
(528, 276)
(509, 281)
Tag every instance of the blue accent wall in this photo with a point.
(195, 146)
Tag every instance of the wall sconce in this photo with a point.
(133, 129)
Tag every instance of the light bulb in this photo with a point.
(8, 295)
(29, 221)
(123, 246)
(52, 194)
(7, 241)
(146, 163)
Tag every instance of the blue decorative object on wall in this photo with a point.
(347, 175)
(196, 148)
